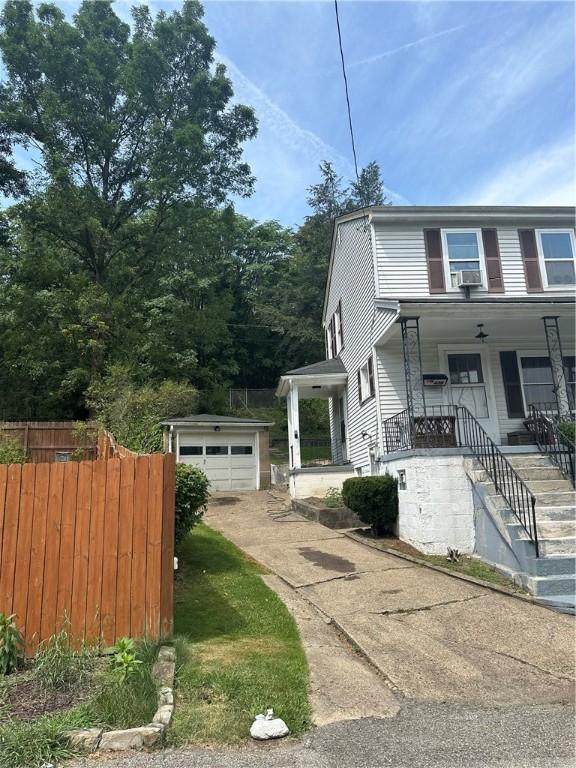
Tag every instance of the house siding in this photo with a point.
(352, 282)
(402, 270)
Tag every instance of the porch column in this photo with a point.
(293, 427)
(561, 390)
(412, 355)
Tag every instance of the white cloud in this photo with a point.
(406, 46)
(284, 156)
(545, 177)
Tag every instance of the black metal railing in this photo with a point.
(553, 438)
(453, 426)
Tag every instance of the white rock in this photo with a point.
(267, 727)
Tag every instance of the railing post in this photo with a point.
(562, 392)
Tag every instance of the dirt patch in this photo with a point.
(326, 561)
(26, 699)
(389, 541)
(230, 652)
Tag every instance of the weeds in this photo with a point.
(58, 667)
(11, 645)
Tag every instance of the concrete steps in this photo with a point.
(552, 576)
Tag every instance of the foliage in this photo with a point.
(124, 664)
(133, 702)
(374, 500)
(11, 644)
(333, 498)
(85, 435)
(11, 452)
(59, 667)
(132, 413)
(191, 497)
(568, 432)
(238, 647)
(39, 742)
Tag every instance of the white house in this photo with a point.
(447, 328)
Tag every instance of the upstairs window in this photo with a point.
(556, 252)
(462, 251)
(335, 333)
(366, 386)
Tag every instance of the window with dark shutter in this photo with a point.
(371, 377)
(529, 251)
(433, 246)
(493, 262)
(512, 385)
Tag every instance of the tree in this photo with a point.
(368, 189)
(127, 127)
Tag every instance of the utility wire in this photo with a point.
(346, 90)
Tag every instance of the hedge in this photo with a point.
(374, 500)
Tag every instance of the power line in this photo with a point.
(346, 90)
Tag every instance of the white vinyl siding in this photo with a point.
(352, 281)
(402, 271)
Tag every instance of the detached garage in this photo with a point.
(233, 452)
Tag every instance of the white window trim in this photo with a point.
(519, 356)
(542, 260)
(446, 259)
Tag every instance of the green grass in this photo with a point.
(307, 453)
(238, 647)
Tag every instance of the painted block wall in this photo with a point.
(436, 511)
(316, 482)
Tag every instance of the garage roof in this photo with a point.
(210, 418)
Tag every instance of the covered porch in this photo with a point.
(498, 361)
(325, 380)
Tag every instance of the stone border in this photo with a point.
(151, 735)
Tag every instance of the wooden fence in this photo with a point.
(88, 544)
(43, 440)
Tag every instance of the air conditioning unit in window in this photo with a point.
(469, 278)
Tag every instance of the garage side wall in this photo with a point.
(264, 458)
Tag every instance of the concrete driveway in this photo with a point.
(432, 638)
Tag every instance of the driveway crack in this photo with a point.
(396, 611)
(353, 573)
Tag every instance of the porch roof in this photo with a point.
(317, 381)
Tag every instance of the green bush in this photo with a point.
(132, 412)
(333, 498)
(191, 497)
(11, 644)
(374, 500)
(11, 452)
(568, 432)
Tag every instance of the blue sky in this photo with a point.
(459, 102)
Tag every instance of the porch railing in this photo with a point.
(453, 426)
(554, 439)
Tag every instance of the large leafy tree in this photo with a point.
(126, 127)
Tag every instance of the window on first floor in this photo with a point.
(557, 254)
(538, 382)
(366, 385)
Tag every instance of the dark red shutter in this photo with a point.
(493, 263)
(433, 244)
(371, 377)
(530, 258)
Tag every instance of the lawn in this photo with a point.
(239, 651)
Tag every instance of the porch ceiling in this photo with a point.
(313, 387)
(459, 321)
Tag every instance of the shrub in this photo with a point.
(568, 432)
(11, 452)
(374, 500)
(191, 497)
(132, 412)
(124, 663)
(11, 644)
(333, 498)
(59, 667)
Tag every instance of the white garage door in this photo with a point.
(228, 459)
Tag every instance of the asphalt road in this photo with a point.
(420, 736)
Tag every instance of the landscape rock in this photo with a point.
(152, 734)
(87, 739)
(167, 653)
(163, 714)
(163, 672)
(118, 740)
(165, 696)
(267, 727)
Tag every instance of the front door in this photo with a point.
(470, 385)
